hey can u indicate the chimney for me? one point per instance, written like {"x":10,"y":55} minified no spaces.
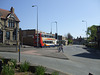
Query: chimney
{"x":12,"y":10}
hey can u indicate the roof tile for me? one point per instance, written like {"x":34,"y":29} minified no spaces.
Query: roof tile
{"x":4,"y":13}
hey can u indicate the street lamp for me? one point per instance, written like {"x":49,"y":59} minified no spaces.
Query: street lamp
{"x":37,"y":22}
{"x":51,"y":28}
{"x":86,"y":27}
{"x":56,"y":27}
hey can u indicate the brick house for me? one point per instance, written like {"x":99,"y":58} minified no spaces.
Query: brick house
{"x":9,"y":27}
{"x":26,"y":36}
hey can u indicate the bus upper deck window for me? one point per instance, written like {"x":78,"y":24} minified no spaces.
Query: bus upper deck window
{"x":42,"y":35}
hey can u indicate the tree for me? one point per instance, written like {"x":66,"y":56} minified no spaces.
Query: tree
{"x":69,"y":37}
{"x":92,"y":32}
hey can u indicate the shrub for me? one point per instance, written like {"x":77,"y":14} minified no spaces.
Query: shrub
{"x":7,"y":70}
{"x":2,"y":60}
{"x":40,"y":70}
{"x":14,"y":62}
{"x":55,"y":73}
{"x":24,"y":67}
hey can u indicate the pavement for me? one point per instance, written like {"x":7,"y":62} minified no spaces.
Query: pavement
{"x":81,"y":60}
{"x":51,"y":52}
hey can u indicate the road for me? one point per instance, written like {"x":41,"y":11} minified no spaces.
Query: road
{"x":81,"y":60}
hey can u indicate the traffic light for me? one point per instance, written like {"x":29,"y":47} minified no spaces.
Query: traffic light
{"x":56,"y":35}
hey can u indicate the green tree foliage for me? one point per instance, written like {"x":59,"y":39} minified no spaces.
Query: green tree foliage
{"x":69,"y":37}
{"x":92,"y":32}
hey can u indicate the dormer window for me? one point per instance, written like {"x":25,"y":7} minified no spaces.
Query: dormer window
{"x":11,"y":23}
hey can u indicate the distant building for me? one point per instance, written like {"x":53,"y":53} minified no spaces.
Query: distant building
{"x":62,"y":40}
{"x":65,"y":41}
{"x":79,"y":40}
{"x":9,"y":24}
{"x":98,"y":35}
{"x":26,"y":36}
{"x":59,"y":37}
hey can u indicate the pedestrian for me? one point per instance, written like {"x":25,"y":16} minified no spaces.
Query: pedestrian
{"x":59,"y":48}
{"x":62,"y":48}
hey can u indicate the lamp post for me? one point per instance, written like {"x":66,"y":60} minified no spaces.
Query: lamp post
{"x":51,"y":27}
{"x":56,"y":27}
{"x":37,"y":22}
{"x":86,"y":27}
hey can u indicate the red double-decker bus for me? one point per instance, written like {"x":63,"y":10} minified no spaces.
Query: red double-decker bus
{"x":45,"y":40}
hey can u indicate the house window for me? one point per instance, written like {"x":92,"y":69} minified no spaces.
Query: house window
{"x":1,"y":36}
{"x":14,"y":34}
{"x":11,"y":23}
{"x":8,"y":35}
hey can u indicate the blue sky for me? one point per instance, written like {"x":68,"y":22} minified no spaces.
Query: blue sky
{"x":68,"y":14}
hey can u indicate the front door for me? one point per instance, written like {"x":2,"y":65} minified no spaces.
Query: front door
{"x":1,"y":36}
